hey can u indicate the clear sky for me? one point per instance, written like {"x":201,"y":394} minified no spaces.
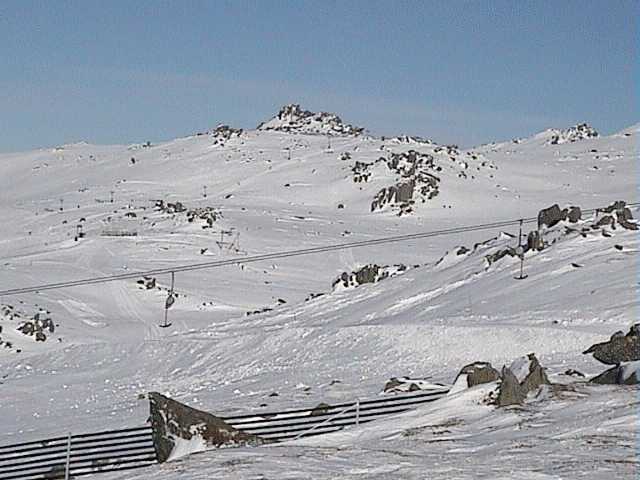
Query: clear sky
{"x":455,"y":71}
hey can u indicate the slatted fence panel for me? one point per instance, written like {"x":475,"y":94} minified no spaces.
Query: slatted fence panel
{"x":280,"y":426}
{"x":133,"y":447}
{"x":89,"y":453}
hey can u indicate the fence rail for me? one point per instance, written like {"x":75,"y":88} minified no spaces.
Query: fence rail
{"x":291,"y":424}
{"x":84,"y":454}
{"x":128,"y":448}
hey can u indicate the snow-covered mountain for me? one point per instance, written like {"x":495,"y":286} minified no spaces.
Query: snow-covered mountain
{"x":325,"y":327}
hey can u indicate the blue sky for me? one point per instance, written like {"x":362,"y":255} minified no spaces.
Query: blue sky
{"x":459,"y":72}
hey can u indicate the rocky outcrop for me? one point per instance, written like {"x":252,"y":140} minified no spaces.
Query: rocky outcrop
{"x":417,"y":181}
{"x":523,"y":376}
{"x":209,"y":215}
{"x":38,"y":326}
{"x":552,"y":215}
{"x":510,"y":392}
{"x":174,"y":423}
{"x":581,"y":131}
{"x":222,"y":133}
{"x":623,"y":374}
{"x":513,"y":384}
{"x":371,"y":273}
{"x":617,"y":212}
{"x":477,"y":373}
{"x":293,"y":119}
{"x":169,"y":207}
{"x":619,"y":348}
{"x":148,"y":283}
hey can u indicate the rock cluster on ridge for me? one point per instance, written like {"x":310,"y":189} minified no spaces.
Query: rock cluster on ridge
{"x":292,"y":118}
{"x":581,"y":131}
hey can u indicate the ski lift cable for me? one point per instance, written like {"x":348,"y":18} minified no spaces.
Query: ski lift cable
{"x":279,"y":255}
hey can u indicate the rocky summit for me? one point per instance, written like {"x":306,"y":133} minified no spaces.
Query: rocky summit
{"x":293,"y":119}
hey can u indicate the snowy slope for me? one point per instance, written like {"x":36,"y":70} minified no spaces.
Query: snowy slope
{"x":275,"y":190}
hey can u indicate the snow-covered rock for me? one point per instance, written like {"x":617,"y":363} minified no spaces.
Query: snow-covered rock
{"x":579,"y":132}
{"x":292,"y":118}
{"x":180,"y":430}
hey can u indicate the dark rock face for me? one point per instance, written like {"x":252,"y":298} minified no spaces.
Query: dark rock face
{"x":371,"y":273}
{"x":514,"y":391}
{"x":536,"y":376}
{"x":292,"y":118}
{"x":222,"y":133}
{"x":620,"y":348}
{"x":623,"y":374}
{"x":320,"y":409}
{"x":510,"y":391}
{"x":172,"y":420}
{"x":617,"y":212}
{"x":478,"y":373}
{"x":550,"y":216}
{"x":417,"y":181}
{"x":581,"y":131}
{"x":574,"y":214}
{"x":534,"y":241}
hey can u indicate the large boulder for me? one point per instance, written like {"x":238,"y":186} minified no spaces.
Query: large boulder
{"x":551,"y":216}
{"x":574,"y":214}
{"x":624,"y":374}
{"x":510,"y":391}
{"x":177,"y":425}
{"x":620,"y":348}
{"x":477,"y":373}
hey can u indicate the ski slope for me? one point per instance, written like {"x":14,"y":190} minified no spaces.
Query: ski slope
{"x":278,"y":190}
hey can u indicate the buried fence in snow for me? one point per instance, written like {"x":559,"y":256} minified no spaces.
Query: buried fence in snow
{"x":76,"y":455}
{"x":293,"y":424}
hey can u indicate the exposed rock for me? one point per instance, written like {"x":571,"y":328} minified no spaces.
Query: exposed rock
{"x":550,"y":216}
{"x":169,"y":207}
{"x":623,"y":374}
{"x":523,"y":376}
{"x":616,"y":212}
{"x":292,"y":118}
{"x":173,"y":421}
{"x":209,"y":215}
{"x":408,"y":139}
{"x":499,"y":254}
{"x":620,"y":348}
{"x":581,"y":131}
{"x":574,"y":214}
{"x":223,"y":133}
{"x":417,"y":182}
{"x":478,"y":372}
{"x":320,"y":409}
{"x":147,"y":282}
{"x":510,"y":391}
{"x":37,"y":326}
{"x":534,"y":241}
{"x":371,"y":273}
{"x":406,"y":384}
{"x":536,"y":375}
